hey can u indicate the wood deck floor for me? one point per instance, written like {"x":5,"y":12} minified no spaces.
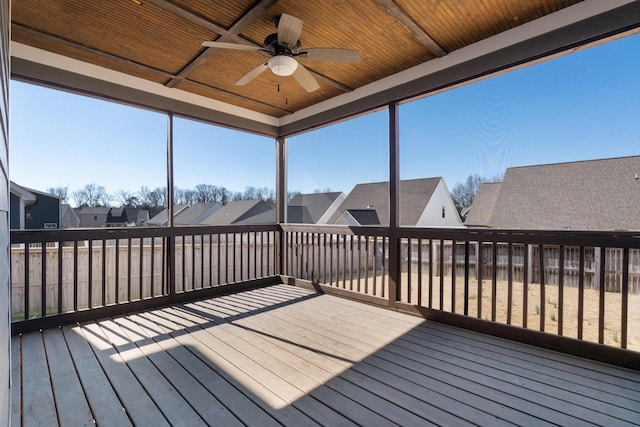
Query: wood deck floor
{"x":283,"y":355}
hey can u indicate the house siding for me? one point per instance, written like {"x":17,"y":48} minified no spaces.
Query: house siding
{"x":432,"y":214}
{"x":5,"y":319}
{"x":45,"y":211}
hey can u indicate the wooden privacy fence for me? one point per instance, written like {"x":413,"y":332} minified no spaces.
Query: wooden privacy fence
{"x":613,"y":268}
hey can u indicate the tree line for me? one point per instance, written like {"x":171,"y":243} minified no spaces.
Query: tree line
{"x":155,"y":200}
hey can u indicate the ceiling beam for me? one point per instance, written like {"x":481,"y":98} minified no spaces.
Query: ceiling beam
{"x":418,"y":33}
{"x":230,"y":35}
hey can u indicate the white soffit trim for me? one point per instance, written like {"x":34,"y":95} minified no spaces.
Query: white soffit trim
{"x":54,"y":60}
{"x":529,"y":30}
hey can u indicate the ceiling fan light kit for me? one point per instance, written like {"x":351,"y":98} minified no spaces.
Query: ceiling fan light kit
{"x":282,"y":65}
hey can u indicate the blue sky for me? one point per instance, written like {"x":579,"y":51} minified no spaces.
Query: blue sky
{"x":581,"y":106}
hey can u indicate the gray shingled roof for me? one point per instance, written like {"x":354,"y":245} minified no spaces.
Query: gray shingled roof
{"x":162,"y":217}
{"x":195,"y":214}
{"x":587,"y":195}
{"x":481,"y":209}
{"x":237,"y":211}
{"x":365,"y":216}
{"x":309,"y":208}
{"x":414,"y":195}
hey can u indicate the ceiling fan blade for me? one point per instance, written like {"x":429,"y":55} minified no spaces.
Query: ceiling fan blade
{"x":236,"y":46}
{"x":252,"y":74}
{"x":306,"y":80}
{"x":289,"y":29}
{"x":331,"y":54}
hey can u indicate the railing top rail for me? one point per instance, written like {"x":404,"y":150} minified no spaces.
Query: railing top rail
{"x":620,"y":239}
{"x":80,"y":234}
{"x":222,"y":229}
{"x":336,"y":229}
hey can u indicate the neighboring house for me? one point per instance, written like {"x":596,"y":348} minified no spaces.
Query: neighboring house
{"x":126,"y":217}
{"x":314,"y":208}
{"x":32,"y":209}
{"x":196,"y":214}
{"x":162,"y":219}
{"x":238,"y":212}
{"x":587,"y":195}
{"x":68,"y":217}
{"x":424,"y":202}
{"x":93,"y":216}
{"x":484,"y":202}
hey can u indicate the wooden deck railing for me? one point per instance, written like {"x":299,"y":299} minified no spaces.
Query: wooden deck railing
{"x":589,"y":289}
{"x":554,"y":289}
{"x":69,"y":275}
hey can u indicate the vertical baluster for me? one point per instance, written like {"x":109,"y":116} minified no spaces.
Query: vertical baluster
{"x":480,"y":268}
{"x":561,"y":290}
{"x":543,"y":288}
{"x":366,"y":264}
{"x":625,"y":298}
{"x":525,"y":285}
{"x":117,"y":272}
{"x":43,"y":280}
{"x":453,"y":276}
{"x":141,"y":272}
{"x":494,"y":279}
{"x":466,"y":278}
{"x":27,"y":255}
{"x":441,"y":266}
{"x":431,"y":259}
{"x":90,"y":274}
{"x":60,"y":302}
{"x":153,"y":265}
{"x":103,"y":275}
{"x":409,"y":262}
{"x":129,"y":269}
{"x":509,"y":281}
{"x":601,"y":294}
{"x":375,"y":264}
{"x":359,"y":263}
{"x":419,"y":284}
{"x":75,"y":275}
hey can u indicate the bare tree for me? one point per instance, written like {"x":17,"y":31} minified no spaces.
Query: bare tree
{"x":204,"y":193}
{"x":62,"y":192}
{"x":92,"y":195}
{"x":127,"y":199}
{"x":464,"y":192}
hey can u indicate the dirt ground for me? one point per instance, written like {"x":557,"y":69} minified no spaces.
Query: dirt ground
{"x":548,"y":305}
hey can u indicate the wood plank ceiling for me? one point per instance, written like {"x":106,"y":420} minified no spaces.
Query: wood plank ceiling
{"x":160,"y":40}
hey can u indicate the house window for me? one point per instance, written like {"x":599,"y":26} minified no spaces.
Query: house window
{"x":95,"y":217}
{"x":443,"y":214}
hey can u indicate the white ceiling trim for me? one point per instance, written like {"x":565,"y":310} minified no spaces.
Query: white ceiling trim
{"x":71,"y":65}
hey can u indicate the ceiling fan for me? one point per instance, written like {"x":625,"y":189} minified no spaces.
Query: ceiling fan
{"x":283,"y":47}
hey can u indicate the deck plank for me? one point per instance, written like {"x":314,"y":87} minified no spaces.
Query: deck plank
{"x":243,"y":408}
{"x":71,"y":403}
{"x":134,"y":351}
{"x":16,"y":381}
{"x":37,"y":395}
{"x":286,"y":356}
{"x":138,"y":405}
{"x":102,"y":399}
{"x":204,"y":403}
{"x":199,"y":342}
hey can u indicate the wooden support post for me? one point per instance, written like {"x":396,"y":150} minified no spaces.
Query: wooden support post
{"x":281,"y":200}
{"x":171,"y":239}
{"x":394,"y":204}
